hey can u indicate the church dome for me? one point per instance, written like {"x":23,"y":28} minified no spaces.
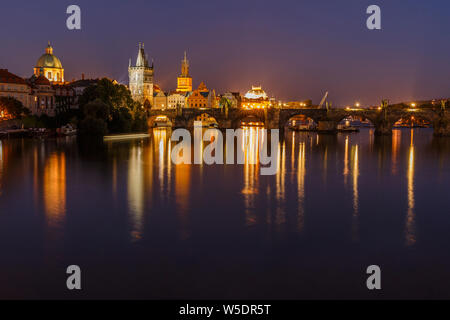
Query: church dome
{"x":256,"y":93}
{"x":48,"y":60}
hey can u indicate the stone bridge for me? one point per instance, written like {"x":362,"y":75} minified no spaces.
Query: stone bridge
{"x":327,"y":120}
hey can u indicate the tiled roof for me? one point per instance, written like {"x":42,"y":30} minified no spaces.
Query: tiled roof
{"x":41,"y":80}
{"x":8,"y":77}
{"x":83,"y":83}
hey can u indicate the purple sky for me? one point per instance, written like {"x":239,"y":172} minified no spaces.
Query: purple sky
{"x":294,"y":49}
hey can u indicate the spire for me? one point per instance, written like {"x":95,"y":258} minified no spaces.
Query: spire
{"x":185,"y":66}
{"x":202,"y":87}
{"x":140,"y":62}
{"x":142,"y":58}
{"x":49,"y":49}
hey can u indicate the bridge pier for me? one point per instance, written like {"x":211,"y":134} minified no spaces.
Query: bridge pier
{"x":225,"y":124}
{"x":383,"y":128}
{"x":327,"y":126}
{"x":441,"y":128}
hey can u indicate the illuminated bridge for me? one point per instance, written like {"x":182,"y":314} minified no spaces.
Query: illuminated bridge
{"x":382,"y":118}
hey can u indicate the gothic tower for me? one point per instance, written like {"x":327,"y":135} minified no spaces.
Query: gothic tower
{"x":184,"y":81}
{"x":141,"y":78}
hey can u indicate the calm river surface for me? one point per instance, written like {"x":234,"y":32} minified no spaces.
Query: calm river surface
{"x":141,"y":227}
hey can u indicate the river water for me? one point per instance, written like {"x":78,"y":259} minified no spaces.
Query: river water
{"x":140,"y":226}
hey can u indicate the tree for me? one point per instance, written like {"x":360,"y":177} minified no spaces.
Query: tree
{"x":225,"y":103}
{"x":113,"y":94}
{"x":112,"y":103}
{"x":140,"y":122}
{"x":121,"y":120}
{"x":13,"y":107}
{"x":92,"y":126}
{"x":96,"y":109}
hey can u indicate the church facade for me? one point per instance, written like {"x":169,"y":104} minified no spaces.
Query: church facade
{"x":45,"y":92}
{"x":49,"y":66}
{"x":141,"y":79}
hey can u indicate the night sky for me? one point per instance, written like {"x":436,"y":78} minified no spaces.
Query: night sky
{"x":294,"y":49}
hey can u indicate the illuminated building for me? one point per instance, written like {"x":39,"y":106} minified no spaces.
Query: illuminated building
{"x":184,"y":81}
{"x":177,"y":99}
{"x":15,"y":87}
{"x":43,"y":96}
{"x":160,"y":100}
{"x":141,"y":78}
{"x":255,"y":98}
{"x":156,"y":88}
{"x":202,"y":98}
{"x":298,"y":104}
{"x":50,"y":67}
{"x":45,"y":91}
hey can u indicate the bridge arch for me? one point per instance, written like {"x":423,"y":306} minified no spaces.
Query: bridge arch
{"x":315,"y":114}
{"x":204,"y":116}
{"x":247,"y":116}
{"x":413,"y":120}
{"x":161,"y":120}
{"x":301,"y":122}
{"x":358,"y":120}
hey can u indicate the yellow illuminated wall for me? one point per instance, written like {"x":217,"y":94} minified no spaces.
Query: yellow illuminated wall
{"x":184,"y":84}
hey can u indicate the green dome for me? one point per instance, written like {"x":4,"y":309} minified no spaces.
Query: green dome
{"x":48,"y":61}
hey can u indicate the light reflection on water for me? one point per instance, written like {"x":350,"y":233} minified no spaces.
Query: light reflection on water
{"x":136,"y":191}
{"x":54,"y":189}
{"x":410,"y":228}
{"x":1,"y":166}
{"x":333,"y":196}
{"x":355,"y":173}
